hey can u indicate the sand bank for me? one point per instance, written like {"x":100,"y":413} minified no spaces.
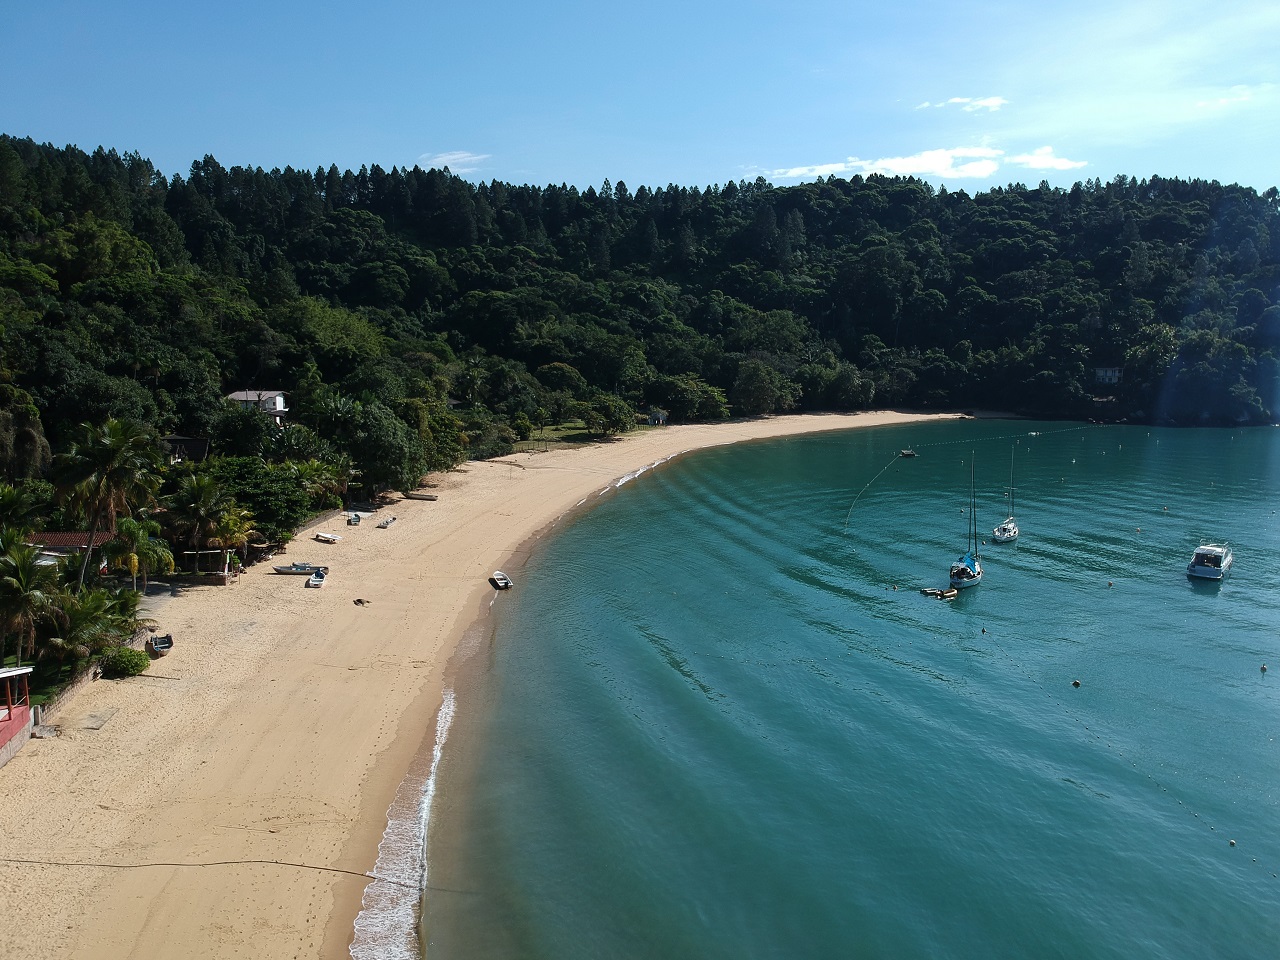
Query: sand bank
{"x":232,"y":802}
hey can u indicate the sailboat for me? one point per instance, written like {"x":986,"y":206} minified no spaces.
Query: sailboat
{"x":967,"y":571}
{"x":1007,"y":532}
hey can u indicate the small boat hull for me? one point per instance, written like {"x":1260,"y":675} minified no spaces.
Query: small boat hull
{"x":500,"y":580}
{"x":1007,"y":532}
{"x":966,"y":572}
{"x":159,"y":646}
{"x":300,"y":569}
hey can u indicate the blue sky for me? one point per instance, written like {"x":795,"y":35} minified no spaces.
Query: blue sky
{"x":966,"y":94}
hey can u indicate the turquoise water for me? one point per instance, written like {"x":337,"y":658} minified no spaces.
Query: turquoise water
{"x":707,"y":725}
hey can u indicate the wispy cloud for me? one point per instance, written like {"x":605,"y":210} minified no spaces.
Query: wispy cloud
{"x":1043,"y":158}
{"x":956,"y":163}
{"x":458,"y":161}
{"x":968,"y":104}
{"x":1240,"y":93}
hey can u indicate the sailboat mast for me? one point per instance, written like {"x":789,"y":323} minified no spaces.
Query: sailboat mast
{"x":973,"y":510}
{"x":1011,"y":452}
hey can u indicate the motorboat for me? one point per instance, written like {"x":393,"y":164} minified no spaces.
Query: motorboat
{"x":353,"y":520}
{"x":414,"y":495}
{"x":906,"y":452}
{"x":1211,"y":561}
{"x":299,"y":567}
{"x":327,"y":537}
{"x":967,"y":570}
{"x":501,"y":580}
{"x":382,"y":525}
{"x":316,"y":579}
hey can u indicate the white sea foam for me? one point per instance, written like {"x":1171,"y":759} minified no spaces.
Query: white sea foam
{"x":627,"y":478}
{"x":387,"y":927}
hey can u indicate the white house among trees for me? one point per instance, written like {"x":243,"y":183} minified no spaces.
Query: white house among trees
{"x":270,"y":402}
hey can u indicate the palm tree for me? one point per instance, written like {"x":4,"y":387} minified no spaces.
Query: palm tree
{"x":234,"y":529}
{"x":28,"y":592}
{"x":84,"y":629}
{"x":321,"y":480}
{"x":137,"y":548}
{"x":106,"y":472}
{"x":196,"y":508}
{"x":93,"y":620}
{"x":18,"y":509}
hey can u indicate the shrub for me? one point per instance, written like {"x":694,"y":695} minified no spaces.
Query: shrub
{"x":124,"y":662}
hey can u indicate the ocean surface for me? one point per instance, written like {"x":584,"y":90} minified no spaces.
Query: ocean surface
{"x":716,"y":717}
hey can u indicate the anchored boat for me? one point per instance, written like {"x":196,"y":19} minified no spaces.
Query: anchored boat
{"x":1211,"y":561}
{"x":967,"y":571}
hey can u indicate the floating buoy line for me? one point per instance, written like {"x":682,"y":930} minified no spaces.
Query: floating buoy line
{"x":899,"y":455}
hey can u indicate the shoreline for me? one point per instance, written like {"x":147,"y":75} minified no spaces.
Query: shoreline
{"x":286,"y":720}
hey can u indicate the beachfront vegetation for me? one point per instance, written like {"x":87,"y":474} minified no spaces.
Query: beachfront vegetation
{"x":124,"y":662}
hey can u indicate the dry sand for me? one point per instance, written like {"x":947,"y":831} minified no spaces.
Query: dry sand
{"x":215,"y":811}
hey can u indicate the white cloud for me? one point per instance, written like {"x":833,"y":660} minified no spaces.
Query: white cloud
{"x":986,"y":103}
{"x":458,"y":161}
{"x":1042,"y":158}
{"x":968,"y":104}
{"x":956,"y":163}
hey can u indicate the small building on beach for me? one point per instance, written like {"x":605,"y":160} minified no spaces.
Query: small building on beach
{"x":15,"y":711}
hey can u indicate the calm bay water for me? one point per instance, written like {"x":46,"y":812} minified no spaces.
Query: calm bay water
{"x":706,"y":725}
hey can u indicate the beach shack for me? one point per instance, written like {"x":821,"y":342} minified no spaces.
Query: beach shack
{"x":15,"y":711}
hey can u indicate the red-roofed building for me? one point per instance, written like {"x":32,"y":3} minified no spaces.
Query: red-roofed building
{"x":66,"y":542}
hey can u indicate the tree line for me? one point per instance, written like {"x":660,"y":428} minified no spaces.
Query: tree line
{"x":415,"y":320}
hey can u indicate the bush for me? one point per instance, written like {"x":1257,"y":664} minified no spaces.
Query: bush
{"x":124,"y":662}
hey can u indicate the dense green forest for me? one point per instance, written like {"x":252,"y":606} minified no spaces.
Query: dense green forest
{"x":416,"y":319}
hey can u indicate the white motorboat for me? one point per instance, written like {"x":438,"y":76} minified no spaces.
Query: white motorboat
{"x":501,"y":580}
{"x":1211,"y":561}
{"x":316,"y":579}
{"x":327,"y":537}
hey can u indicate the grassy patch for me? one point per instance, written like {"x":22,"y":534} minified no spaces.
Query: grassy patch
{"x":574,"y":433}
{"x":47,"y":678}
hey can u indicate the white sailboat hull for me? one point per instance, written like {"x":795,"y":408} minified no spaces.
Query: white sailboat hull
{"x":1007,"y":532}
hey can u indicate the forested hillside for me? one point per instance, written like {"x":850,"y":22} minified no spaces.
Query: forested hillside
{"x":415,"y":318}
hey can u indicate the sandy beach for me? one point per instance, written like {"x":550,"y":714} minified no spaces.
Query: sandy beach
{"x":229,"y":802}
